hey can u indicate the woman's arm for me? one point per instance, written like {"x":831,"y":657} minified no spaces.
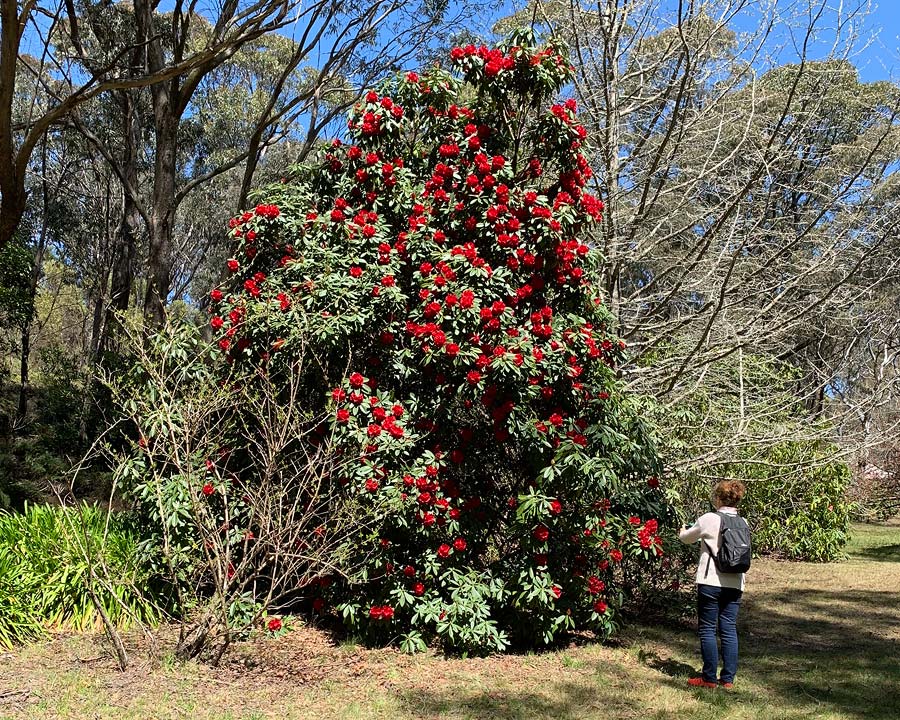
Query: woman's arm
{"x":690,"y":534}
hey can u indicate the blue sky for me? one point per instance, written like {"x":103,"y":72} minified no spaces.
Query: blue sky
{"x":881,"y":60}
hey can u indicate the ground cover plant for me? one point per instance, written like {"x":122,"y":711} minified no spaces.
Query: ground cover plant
{"x":65,"y":568}
{"x":434,"y":268}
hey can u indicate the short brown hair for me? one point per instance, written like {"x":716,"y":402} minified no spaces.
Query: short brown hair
{"x":729,"y":492}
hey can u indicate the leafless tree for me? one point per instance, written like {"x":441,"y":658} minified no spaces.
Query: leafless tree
{"x":242,"y":473}
{"x":751,"y":210}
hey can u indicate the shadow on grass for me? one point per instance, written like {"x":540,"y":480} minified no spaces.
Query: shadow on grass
{"x":667,"y":666}
{"x":883,"y":553}
{"x":835,"y":647}
{"x":817,"y":649}
{"x":560,"y":701}
{"x":808,"y":653}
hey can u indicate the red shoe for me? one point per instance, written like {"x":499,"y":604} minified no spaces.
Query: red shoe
{"x":725,"y":685}
{"x":701,"y":683}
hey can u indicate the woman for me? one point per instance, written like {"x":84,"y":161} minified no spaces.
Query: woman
{"x":718,"y":593}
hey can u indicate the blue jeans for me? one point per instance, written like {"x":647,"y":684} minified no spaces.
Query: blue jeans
{"x":717,"y":608}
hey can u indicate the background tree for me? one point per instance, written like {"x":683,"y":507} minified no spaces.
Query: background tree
{"x":749,"y":207}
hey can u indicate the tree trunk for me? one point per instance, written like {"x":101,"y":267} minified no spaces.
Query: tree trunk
{"x":12,"y":182}
{"x":163,"y":210}
{"x":129,"y":228}
{"x":22,"y":408}
{"x":12,"y":207}
{"x":24,"y":360}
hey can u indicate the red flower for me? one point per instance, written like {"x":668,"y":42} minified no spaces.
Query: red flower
{"x":343,"y":415}
{"x":541,"y":533}
{"x":595,"y":585}
{"x":444,"y":550}
{"x":557,"y":590}
{"x":615,"y":555}
{"x":555,"y":507}
{"x":459,"y":544}
{"x":371,"y":485}
{"x":634,"y":520}
{"x":208,"y":489}
{"x":653,"y":482}
{"x":274,"y":624}
{"x":600,"y":607}
{"x":473,"y":377}
{"x":356,"y":380}
{"x":418,"y":589}
{"x":356,"y":271}
{"x":216,"y":295}
{"x":409,"y":571}
{"x":233,"y":265}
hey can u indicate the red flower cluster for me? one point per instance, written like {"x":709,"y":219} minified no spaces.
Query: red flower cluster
{"x":381,"y":612}
{"x":648,"y":538}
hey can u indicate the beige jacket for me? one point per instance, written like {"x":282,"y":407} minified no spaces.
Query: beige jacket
{"x":706,"y":532}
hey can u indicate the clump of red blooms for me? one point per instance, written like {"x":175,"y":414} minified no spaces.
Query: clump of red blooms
{"x":444,"y":258}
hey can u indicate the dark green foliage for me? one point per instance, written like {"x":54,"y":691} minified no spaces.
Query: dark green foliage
{"x":796,"y":500}
{"x":16,"y":300}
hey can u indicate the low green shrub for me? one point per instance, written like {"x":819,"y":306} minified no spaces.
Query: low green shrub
{"x":805,"y":516}
{"x":796,"y":501}
{"x":19,"y":614}
{"x":747,"y":422}
{"x":53,"y":558}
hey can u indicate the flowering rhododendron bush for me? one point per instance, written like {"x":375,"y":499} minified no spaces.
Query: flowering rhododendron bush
{"x":435,"y":262}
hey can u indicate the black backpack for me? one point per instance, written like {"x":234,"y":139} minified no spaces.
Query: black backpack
{"x":734,"y":545}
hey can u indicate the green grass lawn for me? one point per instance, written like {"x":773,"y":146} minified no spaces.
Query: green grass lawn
{"x":818,"y":641}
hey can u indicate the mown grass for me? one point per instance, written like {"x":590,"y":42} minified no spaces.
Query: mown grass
{"x":819,"y":642}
